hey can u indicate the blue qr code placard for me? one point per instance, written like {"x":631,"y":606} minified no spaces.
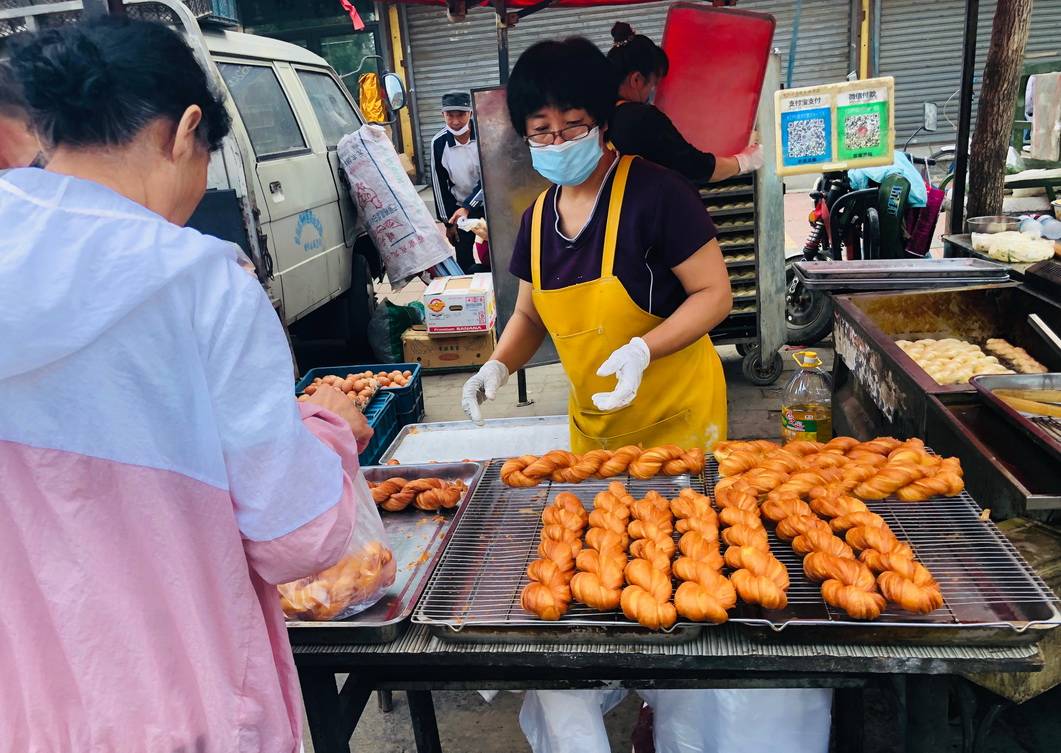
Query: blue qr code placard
{"x":806,"y":137}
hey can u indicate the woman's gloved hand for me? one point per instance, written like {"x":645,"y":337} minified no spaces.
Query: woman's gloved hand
{"x":483,"y":386}
{"x":627,"y":363}
{"x":750,"y":158}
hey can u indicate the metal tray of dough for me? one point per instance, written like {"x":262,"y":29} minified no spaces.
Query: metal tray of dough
{"x":454,"y":441}
{"x":474,"y":594}
{"x":416,"y":539}
{"x":1041,"y":429}
{"x":991,"y":595}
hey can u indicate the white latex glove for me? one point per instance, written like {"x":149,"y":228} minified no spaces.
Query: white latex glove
{"x":483,"y":386}
{"x":627,"y":363}
{"x":750,"y":158}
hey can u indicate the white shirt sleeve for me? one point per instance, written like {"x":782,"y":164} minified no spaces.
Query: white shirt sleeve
{"x":280,"y":476}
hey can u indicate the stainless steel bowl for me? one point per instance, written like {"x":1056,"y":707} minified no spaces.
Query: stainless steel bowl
{"x":995,"y":223}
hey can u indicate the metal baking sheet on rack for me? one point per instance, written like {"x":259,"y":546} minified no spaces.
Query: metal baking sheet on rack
{"x":416,"y":539}
{"x":1044,"y":430}
{"x":454,"y":441}
{"x":868,"y":284}
{"x":910,"y":268}
{"x":991,"y":594}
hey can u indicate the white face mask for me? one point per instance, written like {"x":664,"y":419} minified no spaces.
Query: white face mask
{"x":467,"y":127}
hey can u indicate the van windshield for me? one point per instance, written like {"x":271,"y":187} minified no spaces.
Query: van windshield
{"x":333,"y":110}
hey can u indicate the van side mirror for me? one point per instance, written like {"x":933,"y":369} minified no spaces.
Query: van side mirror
{"x":930,"y":117}
{"x":395,"y":90}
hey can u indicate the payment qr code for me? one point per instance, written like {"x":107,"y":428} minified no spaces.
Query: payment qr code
{"x":862,"y":131}
{"x":806,"y":138}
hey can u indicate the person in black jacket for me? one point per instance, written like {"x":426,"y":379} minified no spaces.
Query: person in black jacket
{"x":639,"y":127}
{"x":456,"y":175}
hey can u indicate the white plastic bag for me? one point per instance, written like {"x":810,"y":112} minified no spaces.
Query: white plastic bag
{"x":355,"y":582}
{"x":568,"y":721}
{"x":740,"y":721}
{"x":394,"y":215}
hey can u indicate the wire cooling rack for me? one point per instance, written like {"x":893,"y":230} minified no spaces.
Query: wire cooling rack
{"x":985,"y":582}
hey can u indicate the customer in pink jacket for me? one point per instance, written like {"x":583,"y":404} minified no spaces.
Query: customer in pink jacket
{"x":157,"y":478}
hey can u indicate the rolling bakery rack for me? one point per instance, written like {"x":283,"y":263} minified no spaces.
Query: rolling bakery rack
{"x":749,"y":213}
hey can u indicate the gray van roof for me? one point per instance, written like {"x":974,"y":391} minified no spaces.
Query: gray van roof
{"x":264,"y":48}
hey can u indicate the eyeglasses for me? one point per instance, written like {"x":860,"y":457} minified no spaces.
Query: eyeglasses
{"x":548,"y":138}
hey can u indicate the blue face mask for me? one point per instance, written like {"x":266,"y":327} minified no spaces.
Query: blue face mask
{"x":569,"y":163}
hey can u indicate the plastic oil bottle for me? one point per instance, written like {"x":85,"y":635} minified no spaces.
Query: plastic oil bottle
{"x":806,"y":404}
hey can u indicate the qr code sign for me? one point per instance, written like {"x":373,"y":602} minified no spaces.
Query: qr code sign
{"x":806,"y":138}
{"x":862,"y":131}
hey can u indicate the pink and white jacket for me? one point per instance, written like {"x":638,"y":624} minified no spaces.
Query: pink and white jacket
{"x":156,"y":479}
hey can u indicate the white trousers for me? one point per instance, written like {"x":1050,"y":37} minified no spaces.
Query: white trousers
{"x":685,"y":721}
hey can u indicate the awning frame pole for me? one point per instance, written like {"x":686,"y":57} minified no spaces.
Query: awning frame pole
{"x":965,"y":117}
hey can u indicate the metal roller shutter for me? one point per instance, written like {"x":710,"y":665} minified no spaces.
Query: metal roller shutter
{"x":449,"y":56}
{"x":921,"y":46}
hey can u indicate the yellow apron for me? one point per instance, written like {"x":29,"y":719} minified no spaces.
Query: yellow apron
{"x":682,"y":398}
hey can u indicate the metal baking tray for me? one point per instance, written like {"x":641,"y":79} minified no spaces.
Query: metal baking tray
{"x":1034,"y":428}
{"x":868,"y":284}
{"x":416,"y":539}
{"x":985,"y":271}
{"x":454,"y":441}
{"x":992,"y":596}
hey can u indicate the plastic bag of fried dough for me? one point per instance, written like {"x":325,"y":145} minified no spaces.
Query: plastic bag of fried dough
{"x":355,"y":582}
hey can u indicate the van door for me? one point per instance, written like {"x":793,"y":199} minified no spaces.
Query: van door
{"x":337,"y":117}
{"x":304,"y":226}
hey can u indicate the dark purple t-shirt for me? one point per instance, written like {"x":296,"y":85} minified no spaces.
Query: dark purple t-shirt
{"x":663,"y":223}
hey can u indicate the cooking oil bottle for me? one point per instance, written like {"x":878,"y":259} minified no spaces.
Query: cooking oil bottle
{"x":806,"y":404}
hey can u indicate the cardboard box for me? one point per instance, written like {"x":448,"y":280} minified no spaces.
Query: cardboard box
{"x":460,"y":304}
{"x":434,"y":352}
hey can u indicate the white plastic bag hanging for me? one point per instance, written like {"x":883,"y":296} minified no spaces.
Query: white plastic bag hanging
{"x":568,"y":721}
{"x":394,"y":215}
{"x":740,"y":721}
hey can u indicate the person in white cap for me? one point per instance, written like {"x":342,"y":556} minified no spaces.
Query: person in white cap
{"x":456,"y":175}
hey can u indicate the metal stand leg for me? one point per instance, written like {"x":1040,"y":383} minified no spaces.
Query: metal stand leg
{"x":425,"y":726}
{"x":849,"y":713}
{"x":927,"y":725}
{"x":386,"y":701}
{"x":332,"y":714}
{"x":521,"y":388}
{"x":986,"y":723}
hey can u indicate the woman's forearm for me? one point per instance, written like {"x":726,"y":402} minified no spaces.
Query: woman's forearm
{"x":520,"y":340}
{"x":725,"y":167}
{"x":699,"y":314}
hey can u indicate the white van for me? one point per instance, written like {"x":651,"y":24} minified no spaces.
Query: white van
{"x":276,"y":187}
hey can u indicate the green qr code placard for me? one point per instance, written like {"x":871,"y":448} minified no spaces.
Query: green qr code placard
{"x":862,"y":130}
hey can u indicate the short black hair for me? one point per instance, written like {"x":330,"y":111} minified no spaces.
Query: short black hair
{"x":12,"y":104}
{"x":564,"y":74}
{"x":636,"y":52}
{"x":101,"y":82}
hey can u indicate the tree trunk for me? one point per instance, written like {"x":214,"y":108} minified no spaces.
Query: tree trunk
{"x":998,"y":96}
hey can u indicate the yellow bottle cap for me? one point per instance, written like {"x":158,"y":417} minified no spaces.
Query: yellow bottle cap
{"x":807,"y":359}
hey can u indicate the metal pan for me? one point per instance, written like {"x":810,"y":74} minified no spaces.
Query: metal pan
{"x":867,"y":284}
{"x":910,"y":268}
{"x":986,"y":385}
{"x":452,"y":441}
{"x":416,"y":539}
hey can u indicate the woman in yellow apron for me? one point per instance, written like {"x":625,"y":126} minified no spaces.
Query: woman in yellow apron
{"x":619,"y":266}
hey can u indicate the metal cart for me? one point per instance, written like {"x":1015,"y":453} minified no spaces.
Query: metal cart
{"x":749,"y":213}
